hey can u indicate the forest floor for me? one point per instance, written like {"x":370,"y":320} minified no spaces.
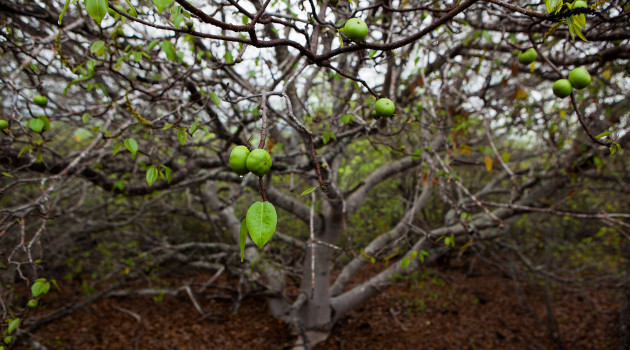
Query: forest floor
{"x":459,"y":305}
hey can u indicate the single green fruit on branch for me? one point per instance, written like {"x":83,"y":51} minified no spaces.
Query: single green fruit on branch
{"x":238,"y":160}
{"x":562,"y":88}
{"x":579,"y":78}
{"x":3,"y":124}
{"x":259,"y":162}
{"x":40,"y":100}
{"x":355,"y":29}
{"x":384,"y":107}
{"x":528,"y":56}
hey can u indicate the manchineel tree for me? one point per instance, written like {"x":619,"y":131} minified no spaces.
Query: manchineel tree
{"x":119,"y":118}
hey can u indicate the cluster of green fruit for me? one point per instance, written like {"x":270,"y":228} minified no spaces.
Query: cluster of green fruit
{"x":579,"y":78}
{"x":242,"y":161}
{"x":356,"y":30}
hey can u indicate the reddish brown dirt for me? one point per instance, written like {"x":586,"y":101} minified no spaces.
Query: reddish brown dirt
{"x":447,"y":308}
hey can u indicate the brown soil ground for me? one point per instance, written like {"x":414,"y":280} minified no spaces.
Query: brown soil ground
{"x":454,"y":307}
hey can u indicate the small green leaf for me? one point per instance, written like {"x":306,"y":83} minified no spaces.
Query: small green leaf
{"x":162,"y":4}
{"x":6,"y":174}
{"x":131,"y":145}
{"x":181,"y":136}
{"x":97,"y":9}
{"x":414,"y":255}
{"x":347,"y":118}
{"x":604,"y":134}
{"x":85,"y":117}
{"x":133,"y":9}
{"x":40,"y":287}
{"x":117,"y":148}
{"x":243,"y":238}
{"x":36,"y":124}
{"x":13,"y":324}
{"x":152,"y":174}
{"x":32,"y":303}
{"x":261,"y":222}
{"x":169,"y":50}
{"x":405,"y":262}
{"x":168,"y":173}
{"x":63,"y":12}
{"x":98,"y":48}
{"x":308,"y":190}
{"x":215,"y":98}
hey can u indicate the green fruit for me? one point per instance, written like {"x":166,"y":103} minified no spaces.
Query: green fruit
{"x":40,"y":100}
{"x":384,"y":107}
{"x":259,"y":162}
{"x":528,"y":56}
{"x":355,"y":29}
{"x":238,"y":160}
{"x":579,"y":78}
{"x":562,"y":88}
{"x":580,"y":4}
{"x":3,"y":124}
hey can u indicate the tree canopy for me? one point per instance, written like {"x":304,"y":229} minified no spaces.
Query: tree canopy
{"x":121,"y":116}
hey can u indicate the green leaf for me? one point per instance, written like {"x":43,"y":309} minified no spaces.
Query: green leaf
{"x":414,"y":255}
{"x":347,"y":118}
{"x":168,"y":173}
{"x":169,"y":50}
{"x":215,"y":98}
{"x":243,"y":238}
{"x":40,"y":287}
{"x":133,"y":9}
{"x":162,"y":4}
{"x":85,"y":117}
{"x":181,"y":136}
{"x":309,"y":190}
{"x":261,"y":222}
{"x":604,"y":134}
{"x":98,"y":47}
{"x":63,"y":12}
{"x":505,"y":156}
{"x":405,"y":262}
{"x":117,"y":148}
{"x":97,"y":9}
{"x":13,"y":324}
{"x":36,"y":124}
{"x":131,"y":145}
{"x":152,"y":174}
{"x":6,"y":174}
{"x":32,"y":303}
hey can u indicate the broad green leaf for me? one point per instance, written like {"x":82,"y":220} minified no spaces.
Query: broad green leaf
{"x":243,"y":238}
{"x":181,"y":136}
{"x":169,"y":50}
{"x":85,"y":117}
{"x":505,"y":156}
{"x":97,"y":9}
{"x":309,"y":190}
{"x":63,"y":12}
{"x":261,"y":222}
{"x":131,"y":145}
{"x":414,"y":255}
{"x":98,"y":47}
{"x":40,"y":287}
{"x":405,"y":262}
{"x":215,"y":98}
{"x":347,"y":118}
{"x":13,"y":324}
{"x":152,"y":174}
{"x":36,"y":124}
{"x":162,"y":4}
